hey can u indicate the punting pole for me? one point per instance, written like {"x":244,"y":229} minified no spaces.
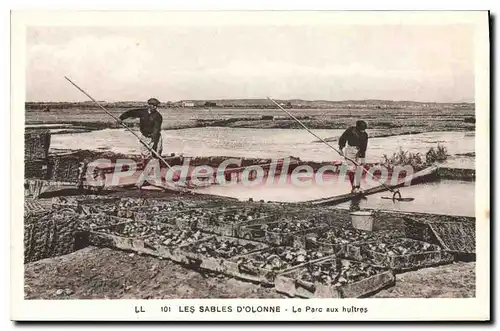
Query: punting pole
{"x":394,"y":192}
{"x":125,"y":126}
{"x":118,"y":120}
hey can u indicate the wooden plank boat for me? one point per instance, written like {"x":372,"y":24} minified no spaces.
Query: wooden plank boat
{"x":412,"y":180}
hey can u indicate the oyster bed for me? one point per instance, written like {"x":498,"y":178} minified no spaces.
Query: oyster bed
{"x":321,"y":255}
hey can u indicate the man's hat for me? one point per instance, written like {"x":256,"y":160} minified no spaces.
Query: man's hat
{"x":153,"y":101}
{"x":361,"y":125}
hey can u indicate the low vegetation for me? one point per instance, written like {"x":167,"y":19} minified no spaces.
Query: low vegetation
{"x":416,"y":160}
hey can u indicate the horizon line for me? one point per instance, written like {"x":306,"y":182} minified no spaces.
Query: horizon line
{"x":262,"y":99}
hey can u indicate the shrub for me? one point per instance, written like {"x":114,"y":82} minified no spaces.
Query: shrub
{"x":416,"y":160}
{"x":436,"y":155}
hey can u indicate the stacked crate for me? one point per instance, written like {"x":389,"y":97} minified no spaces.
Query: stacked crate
{"x":36,"y":152}
{"x":456,"y":237}
{"x":40,"y":167}
{"x":65,"y":168}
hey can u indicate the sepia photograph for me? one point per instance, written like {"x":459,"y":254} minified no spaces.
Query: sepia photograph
{"x":291,"y":156}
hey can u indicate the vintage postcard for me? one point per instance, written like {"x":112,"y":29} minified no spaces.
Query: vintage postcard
{"x":250,"y":166}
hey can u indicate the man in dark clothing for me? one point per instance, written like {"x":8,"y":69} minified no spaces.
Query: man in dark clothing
{"x":150,"y":127}
{"x":356,"y":139}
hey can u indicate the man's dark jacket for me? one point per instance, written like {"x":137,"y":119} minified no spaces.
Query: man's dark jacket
{"x":356,"y":138}
{"x":149,"y":125}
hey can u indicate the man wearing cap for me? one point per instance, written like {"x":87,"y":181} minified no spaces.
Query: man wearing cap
{"x":353,"y":143}
{"x":150,"y":127}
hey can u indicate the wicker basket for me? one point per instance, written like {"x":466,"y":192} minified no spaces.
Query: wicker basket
{"x":419,"y":230}
{"x":36,"y":169}
{"x":36,"y":144}
{"x":64,"y":168}
{"x":458,"y":238}
{"x":52,"y":235}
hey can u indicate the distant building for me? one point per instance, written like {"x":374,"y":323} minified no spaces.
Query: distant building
{"x":187,"y":104}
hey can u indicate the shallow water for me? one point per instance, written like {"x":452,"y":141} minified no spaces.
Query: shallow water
{"x":444,"y":197}
{"x":266,"y":143}
{"x":34,"y":126}
{"x":462,"y":162}
{"x":282,"y":191}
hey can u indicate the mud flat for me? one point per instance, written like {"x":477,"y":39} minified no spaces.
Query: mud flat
{"x":405,"y":119}
{"x":88,"y":273}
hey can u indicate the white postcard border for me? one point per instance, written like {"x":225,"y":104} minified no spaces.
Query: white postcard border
{"x":378,"y":309}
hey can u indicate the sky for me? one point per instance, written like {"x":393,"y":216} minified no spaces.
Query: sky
{"x":389,"y":62}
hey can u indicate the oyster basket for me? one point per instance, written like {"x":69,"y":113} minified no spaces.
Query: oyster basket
{"x":320,"y":222}
{"x":217,"y":225}
{"x":339,"y":249}
{"x":171,"y":251}
{"x":217,"y":264}
{"x":167,"y":218}
{"x":146,"y":210}
{"x":113,"y":236}
{"x":458,"y":238}
{"x":294,"y":239}
{"x":398,"y":263}
{"x":245,"y":269}
{"x":100,"y":221}
{"x":291,"y":283}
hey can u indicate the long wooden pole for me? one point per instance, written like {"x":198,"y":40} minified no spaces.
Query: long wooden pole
{"x":119,"y":121}
{"x":329,"y":145}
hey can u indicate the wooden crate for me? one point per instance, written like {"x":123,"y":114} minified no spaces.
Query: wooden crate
{"x":327,"y":248}
{"x":217,"y":264}
{"x":244,"y":266}
{"x":291,"y":284}
{"x":154,"y":209}
{"x":111,"y":236}
{"x":100,"y":221}
{"x":217,"y":225}
{"x":120,"y":224}
{"x":172,"y":251}
{"x":106,"y":240}
{"x":167,"y":218}
{"x":419,"y":230}
{"x":399,"y":263}
{"x":294,"y":239}
{"x":458,"y":238}
{"x":189,"y":217}
{"x":261,"y":232}
{"x":312,"y":241}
